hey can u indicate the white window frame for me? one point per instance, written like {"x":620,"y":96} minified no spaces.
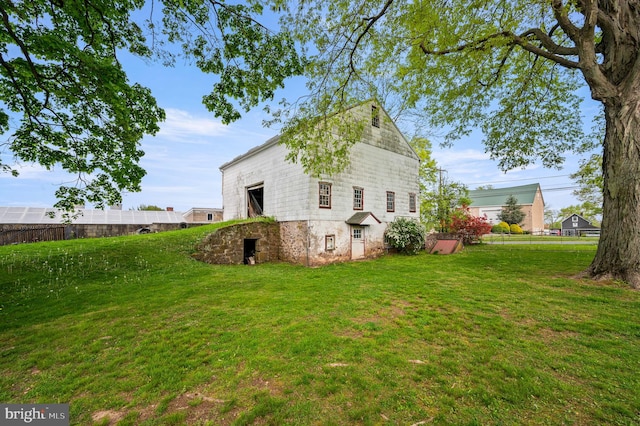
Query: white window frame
{"x":412,"y":202}
{"x":324,"y":195}
{"x":329,"y":242}
{"x":391,"y":201}
{"x":358,"y":198}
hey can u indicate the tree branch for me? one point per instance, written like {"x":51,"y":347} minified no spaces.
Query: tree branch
{"x":519,"y":40}
{"x":548,"y":43}
{"x":541,"y":51}
{"x":372,"y":20}
{"x":475,"y":45}
{"x":21,"y":45}
{"x":563,"y":19}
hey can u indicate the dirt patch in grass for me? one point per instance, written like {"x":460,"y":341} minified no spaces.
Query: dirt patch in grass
{"x":271,"y":386}
{"x":549,"y":335}
{"x":108,"y":417}
{"x":350,"y":333}
{"x":198,"y":407}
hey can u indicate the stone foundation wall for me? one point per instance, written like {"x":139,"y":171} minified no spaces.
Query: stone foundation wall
{"x":375,"y":249}
{"x":294,"y":241}
{"x":289,"y":241}
{"x":226,"y":245}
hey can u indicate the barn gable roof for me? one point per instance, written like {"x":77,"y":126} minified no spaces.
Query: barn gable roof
{"x":404,"y":149}
{"x":525,"y":194}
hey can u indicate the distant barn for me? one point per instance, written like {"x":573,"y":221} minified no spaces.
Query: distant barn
{"x":490,"y":202}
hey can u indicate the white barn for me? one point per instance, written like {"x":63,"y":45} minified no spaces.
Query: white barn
{"x":329,"y":219}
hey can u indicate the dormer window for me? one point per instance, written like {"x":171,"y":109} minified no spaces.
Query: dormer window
{"x":375,"y":116}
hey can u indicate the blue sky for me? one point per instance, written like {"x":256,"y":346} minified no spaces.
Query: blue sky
{"x":182,"y":161}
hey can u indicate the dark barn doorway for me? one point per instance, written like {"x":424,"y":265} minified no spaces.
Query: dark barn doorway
{"x":255,"y":198}
{"x":250,"y":251}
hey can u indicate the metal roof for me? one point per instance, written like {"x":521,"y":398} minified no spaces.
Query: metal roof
{"x":525,"y":194}
{"x":276,"y":139}
{"x":253,"y":151}
{"x":40,"y":216}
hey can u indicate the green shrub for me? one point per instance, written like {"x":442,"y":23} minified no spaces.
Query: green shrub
{"x":515,"y":229}
{"x":500,"y":228}
{"x":406,"y":235}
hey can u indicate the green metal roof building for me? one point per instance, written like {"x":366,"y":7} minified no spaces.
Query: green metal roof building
{"x":489,"y":202}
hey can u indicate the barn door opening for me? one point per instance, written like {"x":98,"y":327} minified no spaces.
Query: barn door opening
{"x":250,"y":251}
{"x":255,"y":201}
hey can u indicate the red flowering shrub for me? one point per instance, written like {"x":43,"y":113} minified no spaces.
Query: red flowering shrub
{"x":468,"y":227}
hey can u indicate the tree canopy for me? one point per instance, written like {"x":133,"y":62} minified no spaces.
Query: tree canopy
{"x":439,"y":195}
{"x":149,"y":207}
{"x":66,"y":101}
{"x":514,"y":70}
{"x":460,"y":65}
{"x":589,"y":181}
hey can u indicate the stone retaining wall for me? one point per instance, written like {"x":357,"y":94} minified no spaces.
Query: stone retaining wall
{"x":227,"y":245}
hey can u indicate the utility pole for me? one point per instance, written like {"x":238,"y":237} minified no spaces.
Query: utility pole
{"x":441,"y":212}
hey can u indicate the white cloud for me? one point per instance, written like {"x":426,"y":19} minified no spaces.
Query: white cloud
{"x":184,"y":127}
{"x":451,"y":155}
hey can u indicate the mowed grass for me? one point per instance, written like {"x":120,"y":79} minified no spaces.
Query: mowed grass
{"x":534,"y":239}
{"x":133,"y":331}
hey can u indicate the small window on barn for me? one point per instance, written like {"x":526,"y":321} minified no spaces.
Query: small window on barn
{"x":574,"y":219}
{"x":412,"y":202}
{"x":391,"y":201}
{"x":357,"y":233}
{"x":209,"y":217}
{"x":358,"y":198}
{"x":329,"y":242}
{"x":375,"y":116}
{"x":324,"y":195}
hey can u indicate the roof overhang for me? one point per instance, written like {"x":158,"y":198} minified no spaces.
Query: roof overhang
{"x":363,"y":219}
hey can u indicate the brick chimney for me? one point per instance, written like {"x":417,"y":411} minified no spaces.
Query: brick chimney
{"x":169,"y":209}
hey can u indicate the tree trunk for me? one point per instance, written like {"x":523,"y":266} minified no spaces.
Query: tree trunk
{"x":618,"y":254}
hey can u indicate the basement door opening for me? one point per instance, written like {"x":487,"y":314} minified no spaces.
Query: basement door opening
{"x":250,"y":251}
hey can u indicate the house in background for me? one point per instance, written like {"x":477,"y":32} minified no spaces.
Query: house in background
{"x":333,"y":218}
{"x":202,"y":215}
{"x":489,"y":202}
{"x":575,"y":226}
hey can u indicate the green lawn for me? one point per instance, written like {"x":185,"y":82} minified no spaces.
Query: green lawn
{"x":132,"y":331}
{"x":538,"y":238}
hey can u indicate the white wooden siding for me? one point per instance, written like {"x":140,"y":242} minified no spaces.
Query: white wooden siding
{"x":382,"y":162}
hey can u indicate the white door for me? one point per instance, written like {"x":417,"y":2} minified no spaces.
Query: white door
{"x":357,"y":242}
